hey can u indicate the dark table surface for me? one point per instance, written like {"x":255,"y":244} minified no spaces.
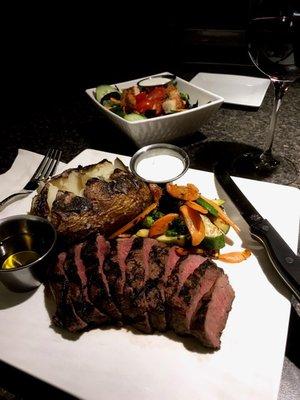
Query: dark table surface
{"x":72,"y":123}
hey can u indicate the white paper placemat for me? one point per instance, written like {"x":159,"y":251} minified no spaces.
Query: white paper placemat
{"x":116,"y":363}
{"x":16,"y":178}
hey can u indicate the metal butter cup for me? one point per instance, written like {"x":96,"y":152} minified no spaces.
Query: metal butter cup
{"x":159,"y":149}
{"x":23,"y":233}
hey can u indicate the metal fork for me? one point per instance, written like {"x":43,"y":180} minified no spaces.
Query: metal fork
{"x":46,"y":169}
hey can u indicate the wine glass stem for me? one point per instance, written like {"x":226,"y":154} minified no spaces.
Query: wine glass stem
{"x":279,"y":90}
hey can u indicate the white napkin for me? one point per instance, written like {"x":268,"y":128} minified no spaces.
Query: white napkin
{"x":16,"y":178}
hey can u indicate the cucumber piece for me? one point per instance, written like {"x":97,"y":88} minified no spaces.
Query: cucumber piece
{"x":206,"y":205}
{"x":180,"y":240}
{"x":103,"y":90}
{"x":220,"y":224}
{"x":134,"y":117}
{"x":214,"y":237}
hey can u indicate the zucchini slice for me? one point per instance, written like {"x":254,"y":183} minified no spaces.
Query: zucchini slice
{"x":214,"y":237}
{"x":220,"y":224}
{"x":208,"y":206}
{"x":180,"y":239}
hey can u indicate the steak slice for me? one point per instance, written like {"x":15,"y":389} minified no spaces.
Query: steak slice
{"x":189,"y":299}
{"x":211,"y":318}
{"x":65,"y":315}
{"x":133,"y":300}
{"x":75,"y":272}
{"x":93,"y":255}
{"x":156,"y":254}
{"x":184,"y":267}
{"x":115,"y":268}
{"x":171,"y":262}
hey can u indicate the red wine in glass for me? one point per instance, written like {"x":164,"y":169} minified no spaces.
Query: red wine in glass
{"x":274,"y":48}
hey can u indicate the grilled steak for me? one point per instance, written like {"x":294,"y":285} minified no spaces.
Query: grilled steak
{"x":75,"y":272}
{"x":59,"y":285}
{"x":93,"y":254}
{"x":134,"y":304}
{"x":155,"y":288}
{"x":189,"y":298}
{"x":143,"y":283}
{"x":212,"y":315}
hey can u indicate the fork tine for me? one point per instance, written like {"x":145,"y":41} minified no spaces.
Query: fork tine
{"x":53,"y":164}
{"x":43,"y":171}
{"x":42,"y":165}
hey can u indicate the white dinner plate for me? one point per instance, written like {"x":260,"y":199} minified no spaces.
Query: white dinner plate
{"x":235,"y":89}
{"x":115,"y":364}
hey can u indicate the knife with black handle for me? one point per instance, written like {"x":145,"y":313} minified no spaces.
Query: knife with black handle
{"x":284,"y":260}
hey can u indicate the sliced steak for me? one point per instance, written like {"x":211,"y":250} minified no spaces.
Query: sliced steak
{"x":115,"y":271}
{"x":155,"y":255}
{"x":65,"y":315}
{"x":211,"y":317}
{"x":93,"y":255}
{"x":171,"y":262}
{"x":189,"y":299}
{"x":75,"y":272}
{"x":115,"y":268}
{"x":184,"y":267}
{"x":133,"y":300}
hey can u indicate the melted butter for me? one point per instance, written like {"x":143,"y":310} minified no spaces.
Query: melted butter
{"x":20,"y":259}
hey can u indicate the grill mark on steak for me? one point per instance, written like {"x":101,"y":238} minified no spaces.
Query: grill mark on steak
{"x":154,"y":291}
{"x":211,"y":318}
{"x":65,"y":315}
{"x":188,"y":300}
{"x":75,"y":272}
{"x":133,"y":301}
{"x":183,"y":268}
{"x":115,"y":268}
{"x":112,"y":271}
{"x":171,"y":262}
{"x":93,"y":255}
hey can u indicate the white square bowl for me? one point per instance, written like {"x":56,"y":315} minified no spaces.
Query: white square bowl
{"x":169,"y":127}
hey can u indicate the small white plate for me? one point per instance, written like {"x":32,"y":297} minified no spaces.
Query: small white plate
{"x":235,"y":89}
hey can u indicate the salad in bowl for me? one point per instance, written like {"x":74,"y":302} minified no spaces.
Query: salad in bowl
{"x":156,"y":109}
{"x":150,"y":97}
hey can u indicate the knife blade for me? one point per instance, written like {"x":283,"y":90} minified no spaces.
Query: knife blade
{"x":284,"y":260}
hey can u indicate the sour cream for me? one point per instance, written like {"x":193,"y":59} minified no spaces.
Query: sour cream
{"x":159,"y":167}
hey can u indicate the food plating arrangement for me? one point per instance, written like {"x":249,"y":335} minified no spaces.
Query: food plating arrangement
{"x":136,"y":253}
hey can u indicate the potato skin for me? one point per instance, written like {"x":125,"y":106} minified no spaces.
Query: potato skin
{"x":105,"y":205}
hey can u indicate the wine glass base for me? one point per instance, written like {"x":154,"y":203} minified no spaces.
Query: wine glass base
{"x":254,"y":166}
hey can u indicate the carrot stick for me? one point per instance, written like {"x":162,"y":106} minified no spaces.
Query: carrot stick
{"x":194,"y":224}
{"x":235,"y":256}
{"x":161,"y":224}
{"x":222,"y":214}
{"x":134,"y":221}
{"x":196,"y":207}
{"x":188,"y":192}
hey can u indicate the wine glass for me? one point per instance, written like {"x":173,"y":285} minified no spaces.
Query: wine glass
{"x":274,"y":47}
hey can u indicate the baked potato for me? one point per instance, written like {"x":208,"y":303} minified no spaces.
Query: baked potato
{"x":97,"y":198}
